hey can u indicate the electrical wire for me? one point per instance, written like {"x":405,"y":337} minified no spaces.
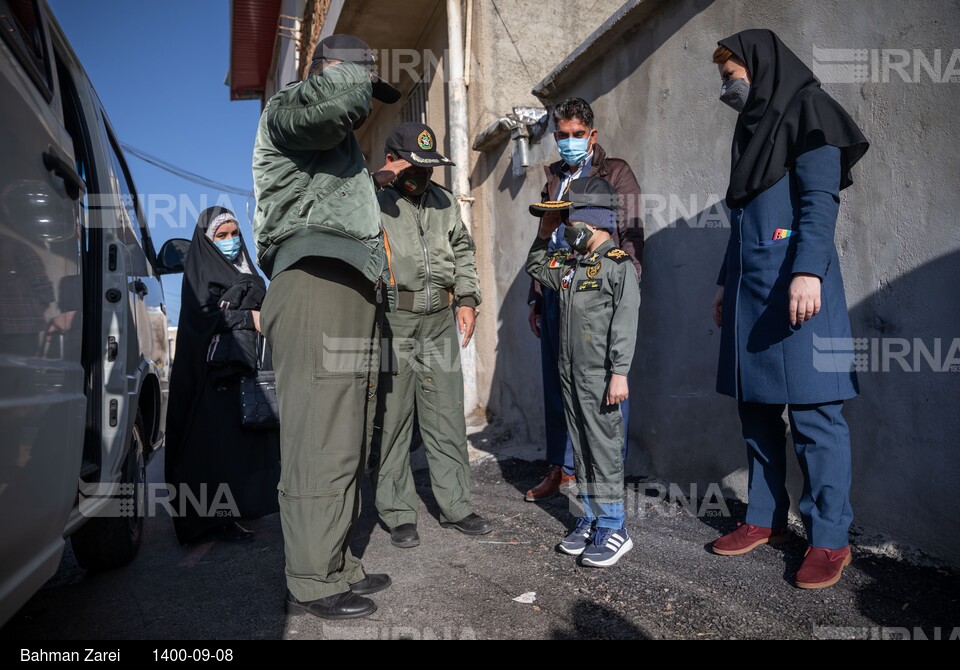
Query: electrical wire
{"x":514,"y":42}
{"x":185,"y":174}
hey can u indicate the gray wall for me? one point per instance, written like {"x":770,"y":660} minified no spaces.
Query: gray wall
{"x":655,"y":94}
{"x":513,"y":49}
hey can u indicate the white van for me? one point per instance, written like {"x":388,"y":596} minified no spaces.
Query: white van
{"x":84,"y":353}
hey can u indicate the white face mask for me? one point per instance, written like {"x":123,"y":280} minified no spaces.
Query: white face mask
{"x":735,"y":93}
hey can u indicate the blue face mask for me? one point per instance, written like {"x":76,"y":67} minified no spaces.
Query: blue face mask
{"x":574,"y":150}
{"x":229,"y":247}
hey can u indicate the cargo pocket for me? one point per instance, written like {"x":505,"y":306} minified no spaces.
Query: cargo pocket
{"x":427,"y":405}
{"x":315,"y":528}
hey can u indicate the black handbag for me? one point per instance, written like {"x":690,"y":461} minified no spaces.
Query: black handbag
{"x":259,"y":409}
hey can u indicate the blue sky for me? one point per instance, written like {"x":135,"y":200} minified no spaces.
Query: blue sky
{"x":159,"y":68}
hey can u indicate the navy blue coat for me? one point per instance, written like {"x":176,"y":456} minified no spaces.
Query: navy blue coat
{"x":779,"y":363}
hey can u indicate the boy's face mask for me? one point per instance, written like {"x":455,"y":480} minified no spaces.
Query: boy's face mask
{"x":578,"y":236}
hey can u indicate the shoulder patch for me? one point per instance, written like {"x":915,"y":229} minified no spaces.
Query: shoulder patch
{"x":618,"y":255}
{"x":557,"y":259}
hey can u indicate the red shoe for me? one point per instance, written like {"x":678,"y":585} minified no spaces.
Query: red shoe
{"x":555,"y":480}
{"x":746,"y":538}
{"x":822,"y":567}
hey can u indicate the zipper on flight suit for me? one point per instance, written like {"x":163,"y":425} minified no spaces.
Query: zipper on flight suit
{"x":426,"y":257}
{"x":571,"y":294}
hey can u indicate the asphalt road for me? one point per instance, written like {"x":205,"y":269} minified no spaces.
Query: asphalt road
{"x":454,"y":587}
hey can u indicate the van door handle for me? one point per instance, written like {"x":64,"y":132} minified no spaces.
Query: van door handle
{"x":61,"y":167}
{"x":140,"y":288}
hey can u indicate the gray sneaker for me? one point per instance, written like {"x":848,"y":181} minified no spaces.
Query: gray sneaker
{"x":574,"y":543}
{"x":608,"y":546}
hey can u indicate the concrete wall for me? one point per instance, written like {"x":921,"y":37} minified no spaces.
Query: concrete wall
{"x":513,"y":49}
{"x":655,"y":94}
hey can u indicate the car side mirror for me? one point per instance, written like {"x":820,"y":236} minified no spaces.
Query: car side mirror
{"x":173,"y":257}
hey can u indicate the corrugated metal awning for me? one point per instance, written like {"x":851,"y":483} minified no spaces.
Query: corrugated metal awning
{"x":253,"y":34}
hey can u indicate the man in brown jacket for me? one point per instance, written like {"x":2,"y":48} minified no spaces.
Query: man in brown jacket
{"x":580,"y":156}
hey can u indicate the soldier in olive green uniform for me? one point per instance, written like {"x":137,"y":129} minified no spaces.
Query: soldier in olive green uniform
{"x":599,"y":304}
{"x":433,"y":260}
{"x":319,"y":242}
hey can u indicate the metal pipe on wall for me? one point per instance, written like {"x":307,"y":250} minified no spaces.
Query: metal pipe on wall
{"x":460,"y":154}
{"x":469,"y":48}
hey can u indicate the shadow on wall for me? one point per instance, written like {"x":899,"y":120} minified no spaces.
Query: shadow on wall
{"x":517,"y":374}
{"x":906,"y":423}
{"x":682,"y":428}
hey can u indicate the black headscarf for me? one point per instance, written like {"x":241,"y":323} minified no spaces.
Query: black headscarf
{"x":205,"y":444}
{"x":786,"y":114}
{"x":207,"y":275}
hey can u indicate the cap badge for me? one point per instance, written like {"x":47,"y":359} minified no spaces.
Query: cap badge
{"x":425,"y":141}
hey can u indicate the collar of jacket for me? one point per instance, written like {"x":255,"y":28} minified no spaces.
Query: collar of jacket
{"x":597,"y":254}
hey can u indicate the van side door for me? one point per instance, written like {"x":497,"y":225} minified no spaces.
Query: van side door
{"x":42,"y":401}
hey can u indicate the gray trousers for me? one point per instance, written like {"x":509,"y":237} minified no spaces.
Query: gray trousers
{"x":322,"y":321}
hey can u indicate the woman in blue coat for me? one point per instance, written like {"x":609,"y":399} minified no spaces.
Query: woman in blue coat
{"x":785,"y":332}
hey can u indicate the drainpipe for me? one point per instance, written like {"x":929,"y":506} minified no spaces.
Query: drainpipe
{"x":469,"y":48}
{"x":460,"y":154}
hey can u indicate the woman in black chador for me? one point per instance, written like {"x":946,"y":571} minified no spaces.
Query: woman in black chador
{"x":209,"y":456}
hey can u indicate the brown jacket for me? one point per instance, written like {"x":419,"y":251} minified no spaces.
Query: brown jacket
{"x":629,"y":233}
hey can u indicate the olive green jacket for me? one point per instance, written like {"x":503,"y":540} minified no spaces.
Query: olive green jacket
{"x":599,"y":306}
{"x":432,"y":255}
{"x":314,"y":194}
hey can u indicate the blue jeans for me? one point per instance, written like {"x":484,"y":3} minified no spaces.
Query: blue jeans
{"x":559,"y":446}
{"x":822,"y":443}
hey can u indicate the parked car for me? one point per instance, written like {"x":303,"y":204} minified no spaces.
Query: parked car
{"x":84,"y":353}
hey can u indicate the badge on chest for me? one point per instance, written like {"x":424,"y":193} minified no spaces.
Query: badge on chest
{"x":567,"y":278}
{"x":585,"y":285}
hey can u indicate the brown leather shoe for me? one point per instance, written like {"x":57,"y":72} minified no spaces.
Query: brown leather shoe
{"x":822,"y":567}
{"x":746,"y":538}
{"x":551,"y":484}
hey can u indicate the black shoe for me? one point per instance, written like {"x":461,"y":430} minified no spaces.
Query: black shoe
{"x":471,"y":525}
{"x":233,"y":532}
{"x":341,"y":606}
{"x":371,"y":584}
{"x":405,"y":536}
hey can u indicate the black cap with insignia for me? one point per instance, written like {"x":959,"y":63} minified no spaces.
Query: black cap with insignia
{"x":350,"y":49}
{"x":416,"y":143}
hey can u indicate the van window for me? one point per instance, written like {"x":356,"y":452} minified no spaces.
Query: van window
{"x":22,"y":30}
{"x":76,"y":126}
{"x":129,"y":201}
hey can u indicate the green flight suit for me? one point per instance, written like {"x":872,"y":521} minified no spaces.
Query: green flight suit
{"x":433,"y":259}
{"x":599,"y":311}
{"x":318,"y":238}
